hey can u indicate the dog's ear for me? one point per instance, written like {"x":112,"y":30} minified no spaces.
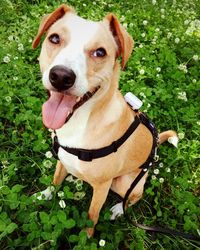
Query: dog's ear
{"x":123,"y":39}
{"x":48,"y":20}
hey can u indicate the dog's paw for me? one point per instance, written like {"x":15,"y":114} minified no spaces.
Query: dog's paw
{"x":117,"y":211}
{"x":46,"y":194}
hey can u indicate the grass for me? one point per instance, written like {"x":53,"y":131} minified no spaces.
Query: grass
{"x":163,"y":71}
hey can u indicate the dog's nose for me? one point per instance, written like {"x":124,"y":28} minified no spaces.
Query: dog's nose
{"x":61,"y":77}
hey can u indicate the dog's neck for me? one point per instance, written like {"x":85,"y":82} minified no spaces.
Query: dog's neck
{"x":97,"y":122}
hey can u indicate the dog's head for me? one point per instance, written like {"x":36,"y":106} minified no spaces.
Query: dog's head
{"x":77,"y":60}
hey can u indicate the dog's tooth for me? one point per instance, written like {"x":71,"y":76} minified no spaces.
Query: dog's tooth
{"x":78,"y":99}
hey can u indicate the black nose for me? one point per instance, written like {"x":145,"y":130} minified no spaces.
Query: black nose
{"x":61,"y":77}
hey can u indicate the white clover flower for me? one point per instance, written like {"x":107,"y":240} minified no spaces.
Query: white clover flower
{"x":141,"y":71}
{"x":182,"y":96}
{"x":8,"y":98}
{"x":183,"y":67}
{"x":162,"y":16}
{"x":158,"y":69}
{"x":162,"y":11}
{"x":94,"y":3}
{"x":5,"y":162}
{"x":122,"y":18}
{"x":79,"y":187}
{"x":47,"y":163}
{"x":148,"y":105}
{"x":20,"y":47}
{"x":62,"y":204}
{"x":181,"y":135}
{"x":157,"y":29}
{"x":143,"y":34}
{"x":16,"y":58}
{"x":142,"y":94}
{"x":51,"y":188}
{"x":16,"y":38}
{"x":156,"y":171}
{"x":84,"y":4}
{"x":43,"y":141}
{"x":79,"y":195}
{"x":69,"y":178}
{"x":125,"y":25}
{"x":194,"y":28}
{"x":140,"y":46}
{"x":177,"y":40}
{"x":194,"y":80}
{"x":168,"y":170}
{"x":161,"y":180}
{"x":198,"y":123}
{"x":131,"y":25}
{"x":186,"y":22}
{"x":11,"y":38}
{"x":145,"y":22}
{"x":15,"y":78}
{"x":79,"y":182}
{"x":161,"y":165}
{"x":61,"y":194}
{"x":154,"y":2}
{"x":30,"y":40}
{"x":143,"y":58}
{"x":157,"y":75}
{"x":48,"y":154}
{"x":6,"y":59}
{"x":169,"y":34}
{"x":153,"y":177}
{"x":102,"y":243}
{"x":195,"y":57}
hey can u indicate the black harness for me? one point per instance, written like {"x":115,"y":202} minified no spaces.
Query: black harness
{"x":91,"y":154}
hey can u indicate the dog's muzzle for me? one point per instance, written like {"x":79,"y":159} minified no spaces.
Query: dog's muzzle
{"x":61,"y":77}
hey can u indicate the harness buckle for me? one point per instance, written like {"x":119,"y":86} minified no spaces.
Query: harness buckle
{"x":156,"y":156}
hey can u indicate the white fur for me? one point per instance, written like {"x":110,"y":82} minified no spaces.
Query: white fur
{"x":173,"y":140}
{"x":46,"y":194}
{"x":72,"y":133}
{"x":117,"y":211}
{"x":73,"y":55}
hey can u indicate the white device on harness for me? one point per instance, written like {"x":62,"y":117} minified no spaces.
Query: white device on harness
{"x":132,"y":100}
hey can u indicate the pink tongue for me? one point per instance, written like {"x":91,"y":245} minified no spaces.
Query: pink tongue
{"x":56,"y":110}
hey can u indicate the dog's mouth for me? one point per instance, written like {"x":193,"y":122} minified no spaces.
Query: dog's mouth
{"x":60,"y":107}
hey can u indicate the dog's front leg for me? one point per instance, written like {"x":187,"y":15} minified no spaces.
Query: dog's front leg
{"x":59,"y":174}
{"x":100,"y":192}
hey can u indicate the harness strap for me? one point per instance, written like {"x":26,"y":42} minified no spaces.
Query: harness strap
{"x":150,"y":160}
{"x":91,"y":154}
{"x":168,"y":231}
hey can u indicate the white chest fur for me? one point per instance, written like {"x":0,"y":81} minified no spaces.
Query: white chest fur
{"x":71,"y":135}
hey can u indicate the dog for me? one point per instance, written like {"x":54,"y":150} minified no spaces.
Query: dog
{"x":80,"y":58}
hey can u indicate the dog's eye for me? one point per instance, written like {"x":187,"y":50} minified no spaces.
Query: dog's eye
{"x":54,"y":38}
{"x":100,"y":52}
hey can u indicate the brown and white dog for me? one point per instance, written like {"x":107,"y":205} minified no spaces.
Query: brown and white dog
{"x":80,"y":56}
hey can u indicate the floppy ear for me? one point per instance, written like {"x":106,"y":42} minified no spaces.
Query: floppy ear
{"x":48,"y":20}
{"x":123,"y":39}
